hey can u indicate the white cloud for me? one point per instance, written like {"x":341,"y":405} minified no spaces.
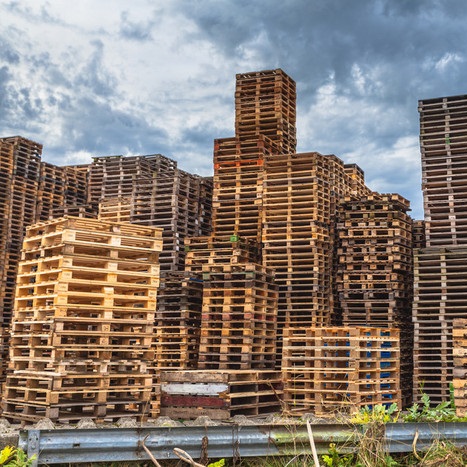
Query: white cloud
{"x":447,"y":60}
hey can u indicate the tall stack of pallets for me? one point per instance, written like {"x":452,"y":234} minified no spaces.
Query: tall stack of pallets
{"x":374,"y":270}
{"x":238,"y":325}
{"x":265,"y":115}
{"x":301,"y":192}
{"x":81,"y":340}
{"x":440,"y":291}
{"x":438,"y":267}
{"x":180,"y":303}
{"x":21,"y":165}
{"x":151,"y":190}
{"x":51,"y":190}
{"x":239,"y":295}
{"x":178,"y":321}
{"x":330,"y":370}
{"x":237,"y":332}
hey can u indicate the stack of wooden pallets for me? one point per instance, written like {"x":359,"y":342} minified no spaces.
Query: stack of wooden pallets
{"x":459,"y":339}
{"x":238,"y":186}
{"x":51,"y":192}
{"x":220,"y":394}
{"x":440,"y":291}
{"x":216,"y":250}
{"x":115,"y":209}
{"x":300,"y":197}
{"x":443,"y":149}
{"x":63,"y":191}
{"x":374,"y":270}
{"x":20,"y":164}
{"x":265,"y":115}
{"x":238,"y":333}
{"x":265,"y":104}
{"x":298,"y":240}
{"x":81,"y":339}
{"x":356,"y":178}
{"x":178,"y":321}
{"x":438,"y":267}
{"x":151,"y":190}
{"x":238,"y":325}
{"x":336,"y":369}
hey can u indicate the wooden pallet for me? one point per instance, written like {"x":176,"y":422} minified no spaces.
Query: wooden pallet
{"x":202,"y":251}
{"x":330,"y":370}
{"x":220,"y":394}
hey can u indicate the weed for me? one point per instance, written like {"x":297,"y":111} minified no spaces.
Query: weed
{"x":443,"y":453}
{"x":426,"y":412}
{"x":15,"y":457}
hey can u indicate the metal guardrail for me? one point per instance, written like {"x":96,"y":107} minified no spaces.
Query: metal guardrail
{"x":70,"y":446}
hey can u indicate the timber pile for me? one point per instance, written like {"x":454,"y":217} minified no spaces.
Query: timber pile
{"x":459,"y":338}
{"x":220,"y":394}
{"x":81,"y":340}
{"x":329,"y":370}
{"x":374,"y":270}
{"x":440,"y":292}
{"x":443,"y":126}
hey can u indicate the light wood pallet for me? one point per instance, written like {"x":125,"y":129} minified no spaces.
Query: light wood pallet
{"x":81,"y":340}
{"x":459,"y":351}
{"x":330,"y":370}
{"x":220,"y":394}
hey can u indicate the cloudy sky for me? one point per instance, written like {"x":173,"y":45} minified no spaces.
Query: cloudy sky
{"x":101,"y":77}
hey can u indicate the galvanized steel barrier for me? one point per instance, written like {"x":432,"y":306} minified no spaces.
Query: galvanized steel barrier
{"x":69,"y":446}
